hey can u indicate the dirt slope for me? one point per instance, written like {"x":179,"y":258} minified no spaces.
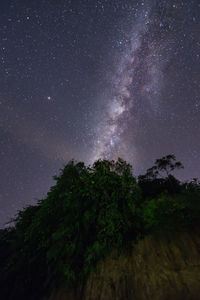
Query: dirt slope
{"x":156,"y":269}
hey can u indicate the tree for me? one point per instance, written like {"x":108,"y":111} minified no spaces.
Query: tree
{"x":87,"y":213}
{"x":158,"y":178}
{"x":165,"y":165}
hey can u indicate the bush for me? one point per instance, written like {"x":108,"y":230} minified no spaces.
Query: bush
{"x":172,"y":212}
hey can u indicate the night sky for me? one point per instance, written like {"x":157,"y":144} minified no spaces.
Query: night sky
{"x":86,"y":79}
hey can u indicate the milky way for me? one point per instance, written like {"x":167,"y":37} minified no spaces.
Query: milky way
{"x":138,"y":78}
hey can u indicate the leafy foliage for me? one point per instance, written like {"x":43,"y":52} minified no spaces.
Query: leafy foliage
{"x":169,"y":213}
{"x":88,"y":212}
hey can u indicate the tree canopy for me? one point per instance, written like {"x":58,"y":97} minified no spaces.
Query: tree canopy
{"x":87,"y":213}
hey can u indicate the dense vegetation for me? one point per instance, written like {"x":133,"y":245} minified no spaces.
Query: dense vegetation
{"x":87,"y":213}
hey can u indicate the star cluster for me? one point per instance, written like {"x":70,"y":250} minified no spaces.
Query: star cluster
{"x":95,"y":79}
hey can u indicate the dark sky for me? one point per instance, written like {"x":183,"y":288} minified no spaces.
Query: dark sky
{"x":85,"y":79}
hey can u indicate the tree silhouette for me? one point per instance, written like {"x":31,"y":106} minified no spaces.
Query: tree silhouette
{"x":163,"y":166}
{"x":158,"y":178}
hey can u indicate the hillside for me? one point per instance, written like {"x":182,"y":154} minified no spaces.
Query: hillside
{"x":156,"y":268}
